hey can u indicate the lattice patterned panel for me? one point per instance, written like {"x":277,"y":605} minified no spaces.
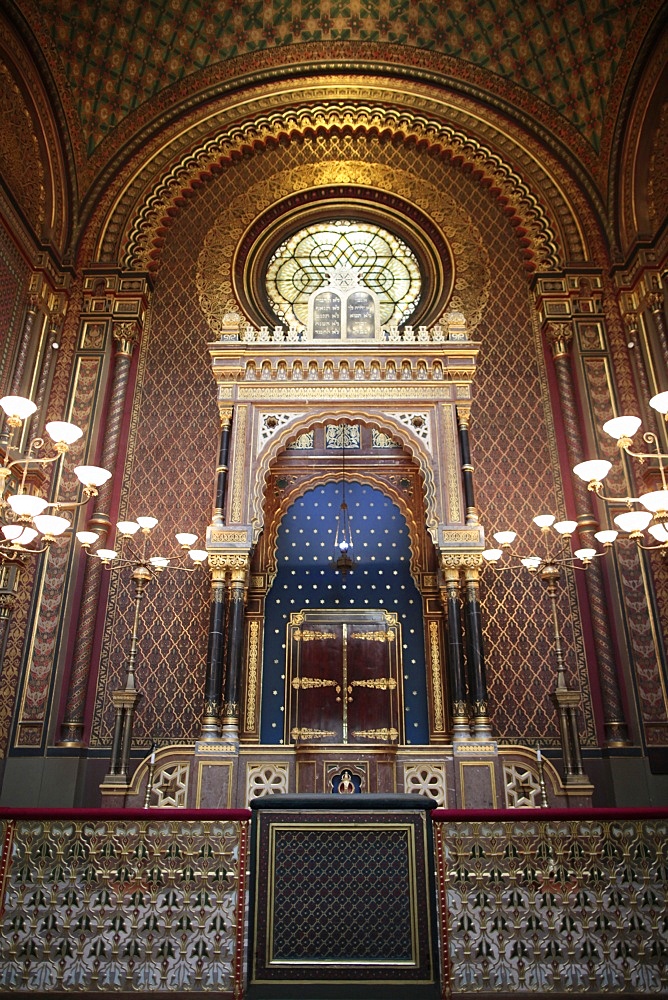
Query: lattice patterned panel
{"x":266,"y":779}
{"x":521,"y":786}
{"x":516,"y":476}
{"x":122,"y":906}
{"x":427,"y":779}
{"x":575,"y":906}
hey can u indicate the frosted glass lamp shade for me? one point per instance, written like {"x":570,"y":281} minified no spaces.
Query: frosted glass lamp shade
{"x":544,"y":520}
{"x":19,"y":534}
{"x":12,"y":531}
{"x":106,"y":555}
{"x":659,"y":532}
{"x":51,"y":524}
{"x":633,"y":520}
{"x":606,"y":537}
{"x":531,"y":563}
{"x":17,"y":407}
{"x":127,"y":527}
{"x":147,"y":523}
{"x":159,"y":562}
{"x":62,"y":432}
{"x":186,"y":538}
{"x":565,"y":527}
{"x":87,"y":537}
{"x":586,"y":555}
{"x":622,"y":427}
{"x":91,"y":475}
{"x":198,"y":555}
{"x":26,"y":505}
{"x":660,"y":402}
{"x":656,"y":501}
{"x":492,"y":555}
{"x":593,"y":471}
{"x":505,"y":537}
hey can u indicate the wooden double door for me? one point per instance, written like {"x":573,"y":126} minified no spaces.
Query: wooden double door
{"x":344,"y":678}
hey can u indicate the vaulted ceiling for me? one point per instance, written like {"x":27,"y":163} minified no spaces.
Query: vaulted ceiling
{"x":119,"y":73}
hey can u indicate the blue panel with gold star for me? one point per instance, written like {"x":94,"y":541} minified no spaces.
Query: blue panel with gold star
{"x":306,"y":579}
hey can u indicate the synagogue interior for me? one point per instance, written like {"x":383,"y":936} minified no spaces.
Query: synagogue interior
{"x":334,"y":428}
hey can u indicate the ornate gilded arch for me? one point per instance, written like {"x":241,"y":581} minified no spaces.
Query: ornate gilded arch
{"x":537,"y":234}
{"x":216,"y":260}
{"x":381,"y":421}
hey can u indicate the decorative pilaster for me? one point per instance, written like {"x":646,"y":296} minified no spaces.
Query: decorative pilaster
{"x":125,"y":334}
{"x":213,"y":684}
{"x":222,"y":467}
{"x":559,"y":336}
{"x":24,"y":346}
{"x":456,"y":664}
{"x":477,"y":676}
{"x":463,"y":422}
{"x":235,"y":618}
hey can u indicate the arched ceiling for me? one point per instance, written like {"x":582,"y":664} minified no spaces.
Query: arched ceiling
{"x":121,"y":60}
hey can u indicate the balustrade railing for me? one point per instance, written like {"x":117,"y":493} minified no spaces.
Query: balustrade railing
{"x":153,"y":901}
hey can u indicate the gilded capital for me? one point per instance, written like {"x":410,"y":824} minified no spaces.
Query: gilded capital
{"x":126,"y":333}
{"x":464,"y":416}
{"x":559,"y":336}
{"x":225,"y":418}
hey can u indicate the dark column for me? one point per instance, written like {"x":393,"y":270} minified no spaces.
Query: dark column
{"x":222,"y":467}
{"x":456,"y":665}
{"x":463,"y":421}
{"x":213,"y":684}
{"x":71,"y":733}
{"x":559,"y":336}
{"x":235,"y":635}
{"x":474,"y":651}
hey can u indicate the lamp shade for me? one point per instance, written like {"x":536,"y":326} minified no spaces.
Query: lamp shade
{"x":147,"y":523}
{"x":659,"y":532}
{"x":544,"y":520}
{"x":198,"y":555}
{"x":17,"y":407}
{"x":656,"y":501}
{"x":18,"y":534}
{"x":586,"y":555}
{"x":12,"y":531}
{"x":51,"y":524}
{"x":27,"y":505}
{"x":660,"y":402}
{"x":622,"y":427}
{"x":159,"y":562}
{"x":606,"y":537}
{"x":62,"y":432}
{"x":91,"y":475}
{"x":593,"y":471}
{"x":106,"y":555}
{"x":565,"y":527}
{"x":27,"y":536}
{"x":127,"y":527}
{"x":87,"y":537}
{"x":492,"y":555}
{"x":633,"y":520}
{"x":505,"y":537}
{"x":531,"y":563}
{"x":186,"y":538}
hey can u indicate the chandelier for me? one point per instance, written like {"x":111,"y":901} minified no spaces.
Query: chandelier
{"x":343,"y":539}
{"x":30,"y":523}
{"x":633,"y":522}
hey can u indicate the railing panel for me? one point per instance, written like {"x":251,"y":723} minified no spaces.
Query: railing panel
{"x":555,"y":906}
{"x":128,"y":905}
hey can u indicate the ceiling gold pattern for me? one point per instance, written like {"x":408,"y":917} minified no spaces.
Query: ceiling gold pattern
{"x":117,"y":56}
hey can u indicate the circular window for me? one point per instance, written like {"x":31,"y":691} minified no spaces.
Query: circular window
{"x":305,"y":261}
